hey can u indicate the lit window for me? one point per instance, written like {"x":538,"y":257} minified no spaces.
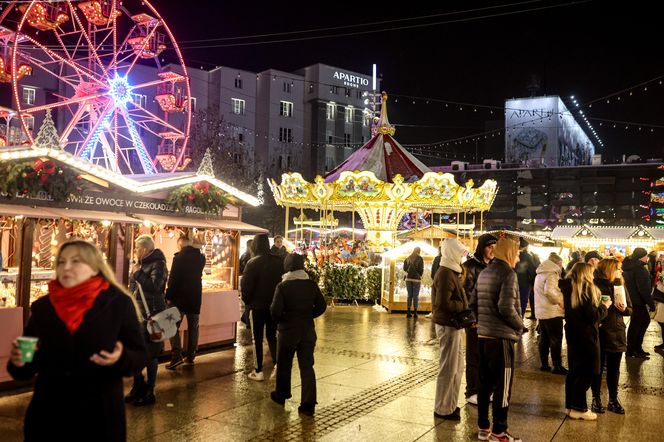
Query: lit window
{"x":330,"y":111}
{"x":349,"y":114}
{"x":140,"y":100}
{"x":238,"y":106}
{"x":286,"y":109}
{"x":30,"y":122}
{"x":29,"y":95}
{"x":192,"y":103}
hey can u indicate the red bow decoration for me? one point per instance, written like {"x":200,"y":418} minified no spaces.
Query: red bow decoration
{"x":39,"y":165}
{"x":49,"y":167}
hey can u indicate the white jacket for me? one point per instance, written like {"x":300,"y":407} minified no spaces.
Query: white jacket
{"x":548,"y":297}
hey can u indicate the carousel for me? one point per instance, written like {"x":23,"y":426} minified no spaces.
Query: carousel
{"x":382,"y":182}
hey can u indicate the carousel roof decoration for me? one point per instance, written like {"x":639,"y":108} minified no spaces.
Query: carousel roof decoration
{"x":370,"y":182}
{"x":382,"y":154}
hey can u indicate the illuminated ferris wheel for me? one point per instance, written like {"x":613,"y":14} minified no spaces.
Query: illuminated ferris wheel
{"x":121,"y":88}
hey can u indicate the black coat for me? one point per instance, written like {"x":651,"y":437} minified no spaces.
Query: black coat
{"x":612,"y":330}
{"x":74,"y":398}
{"x":526,"y":270}
{"x":435,"y":265}
{"x":295,"y":305}
{"x":184,"y":281}
{"x":260,"y":279}
{"x":473,"y":266}
{"x":637,"y":282}
{"x":152,"y":276}
{"x":414,"y":267}
{"x":582,"y":328}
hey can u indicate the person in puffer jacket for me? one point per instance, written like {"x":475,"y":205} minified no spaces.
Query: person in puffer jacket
{"x":550,"y":311}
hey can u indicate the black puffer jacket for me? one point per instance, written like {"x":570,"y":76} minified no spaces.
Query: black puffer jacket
{"x":152,"y":277}
{"x":261,"y":275}
{"x":612,"y":334}
{"x":297,"y":301}
{"x":498,"y":302}
{"x":185,"y":288}
{"x":637,"y":282}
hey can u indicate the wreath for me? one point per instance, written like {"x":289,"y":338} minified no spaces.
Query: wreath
{"x":198,"y":195}
{"x":30,"y":178}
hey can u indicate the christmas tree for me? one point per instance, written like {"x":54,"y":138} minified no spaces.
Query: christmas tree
{"x":47,"y":137}
{"x":206,"y":164}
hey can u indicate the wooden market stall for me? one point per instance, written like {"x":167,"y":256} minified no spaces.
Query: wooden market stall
{"x":620,"y":240}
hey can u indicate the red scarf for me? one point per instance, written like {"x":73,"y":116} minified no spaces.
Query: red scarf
{"x":72,"y":303}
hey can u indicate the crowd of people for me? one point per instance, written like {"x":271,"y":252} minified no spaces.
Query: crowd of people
{"x":486,"y":296}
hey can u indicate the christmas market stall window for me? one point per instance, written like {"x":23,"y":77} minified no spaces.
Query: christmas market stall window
{"x":198,"y":195}
{"x":32,"y":177}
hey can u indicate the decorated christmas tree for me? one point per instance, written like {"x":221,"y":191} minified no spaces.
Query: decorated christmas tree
{"x":47,"y":137}
{"x":206,"y":164}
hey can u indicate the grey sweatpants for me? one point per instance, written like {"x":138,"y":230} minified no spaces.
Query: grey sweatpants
{"x":448,"y":381}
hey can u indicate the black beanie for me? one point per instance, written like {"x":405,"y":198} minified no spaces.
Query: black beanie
{"x":293,"y":262}
{"x":639,"y":253}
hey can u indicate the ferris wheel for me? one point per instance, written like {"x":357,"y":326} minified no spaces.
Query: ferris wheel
{"x":119,"y":86}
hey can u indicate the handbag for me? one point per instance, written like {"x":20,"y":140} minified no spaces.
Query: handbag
{"x":463,"y":319}
{"x":164,"y":324}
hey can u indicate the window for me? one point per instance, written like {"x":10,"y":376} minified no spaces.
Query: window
{"x":30,"y":122}
{"x":238,"y":106}
{"x":240,"y":137}
{"x":192,"y":103}
{"x":334,"y":90}
{"x":349,"y":114}
{"x":347,"y":91}
{"x":285,"y":135}
{"x":359,"y":94}
{"x":330,"y":111}
{"x":329,"y":137}
{"x":286,"y":109}
{"x":346,"y":140}
{"x":238,"y":83}
{"x":288,"y":86}
{"x":366,"y":118}
{"x":29,"y":95}
{"x":140,"y":100}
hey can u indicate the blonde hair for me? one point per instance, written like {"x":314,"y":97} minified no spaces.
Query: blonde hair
{"x":583,"y":286}
{"x":554,"y":257}
{"x":145,"y":241}
{"x":608,"y":267}
{"x":90,"y":254}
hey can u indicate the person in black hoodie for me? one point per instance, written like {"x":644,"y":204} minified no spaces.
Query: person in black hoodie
{"x":486,"y":244}
{"x":261,"y":276}
{"x":414,"y":268}
{"x":297,"y":301}
{"x":637,"y":282}
{"x":584,"y":310}
{"x":612,"y":339}
{"x":526,"y":273}
{"x":185,"y":291}
{"x":89,"y":338}
{"x":151,"y":273}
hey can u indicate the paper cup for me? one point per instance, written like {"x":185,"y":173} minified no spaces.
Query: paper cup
{"x":606,"y":298}
{"x":27,"y":345}
{"x":619,"y":295}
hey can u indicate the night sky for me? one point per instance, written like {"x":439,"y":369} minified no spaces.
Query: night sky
{"x":587,"y":49}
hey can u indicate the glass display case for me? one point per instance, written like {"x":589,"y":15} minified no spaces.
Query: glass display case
{"x":38,"y":285}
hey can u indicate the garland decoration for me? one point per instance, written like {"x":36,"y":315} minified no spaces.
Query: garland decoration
{"x":198,"y":195}
{"x":28,"y":178}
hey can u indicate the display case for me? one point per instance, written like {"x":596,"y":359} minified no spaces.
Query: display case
{"x":393,"y":293}
{"x":38,"y":285}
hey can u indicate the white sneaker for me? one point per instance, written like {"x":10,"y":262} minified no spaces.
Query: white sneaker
{"x":483,"y":434}
{"x":472,"y":400}
{"x":429,"y":316}
{"x":256,"y":376}
{"x":587,"y":416}
{"x":274,"y":373}
{"x":504,"y":437}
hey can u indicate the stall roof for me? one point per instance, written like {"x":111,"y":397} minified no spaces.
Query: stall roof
{"x":93,"y":215}
{"x":30,"y":212}
{"x":194,"y":222}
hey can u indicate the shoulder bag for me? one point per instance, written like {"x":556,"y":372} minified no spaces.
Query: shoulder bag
{"x":163,"y":325}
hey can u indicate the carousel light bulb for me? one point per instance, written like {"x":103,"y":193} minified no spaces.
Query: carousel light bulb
{"x":147,"y":223}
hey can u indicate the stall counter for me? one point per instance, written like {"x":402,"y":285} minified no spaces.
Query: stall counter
{"x":11,"y":327}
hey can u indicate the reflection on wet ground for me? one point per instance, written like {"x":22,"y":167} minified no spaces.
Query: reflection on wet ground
{"x":375,"y":376}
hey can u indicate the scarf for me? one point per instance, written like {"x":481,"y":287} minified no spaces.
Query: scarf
{"x":296,"y":274}
{"x":71,"y":304}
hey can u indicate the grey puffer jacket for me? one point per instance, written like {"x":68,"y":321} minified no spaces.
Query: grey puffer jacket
{"x":498,"y":302}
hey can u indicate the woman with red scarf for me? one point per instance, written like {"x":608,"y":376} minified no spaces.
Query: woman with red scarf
{"x":89,"y":338}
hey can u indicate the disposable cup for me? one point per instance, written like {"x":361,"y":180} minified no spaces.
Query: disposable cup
{"x":27,"y":345}
{"x":606,"y":298}
{"x":619,"y":294}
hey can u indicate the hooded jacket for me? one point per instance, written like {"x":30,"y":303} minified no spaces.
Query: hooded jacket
{"x":447,"y":295}
{"x":185,"y":287}
{"x":548,"y":297}
{"x":637,"y":282}
{"x":414,"y":268}
{"x":472,"y":268}
{"x":498,"y":295}
{"x":261,"y":275}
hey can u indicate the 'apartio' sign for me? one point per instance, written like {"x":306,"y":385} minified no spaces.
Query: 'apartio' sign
{"x":351,"y":80}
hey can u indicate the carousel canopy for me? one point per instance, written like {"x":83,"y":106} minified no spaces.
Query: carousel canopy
{"x":382,"y":155}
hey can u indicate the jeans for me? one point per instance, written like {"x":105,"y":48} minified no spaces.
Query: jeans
{"x":413,"y":289}
{"x":524,"y":295}
{"x":496,"y":372}
{"x":192,"y":337}
{"x":152,"y":366}
{"x":302,"y":343}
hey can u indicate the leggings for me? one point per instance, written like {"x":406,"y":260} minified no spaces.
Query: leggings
{"x":612,"y":374}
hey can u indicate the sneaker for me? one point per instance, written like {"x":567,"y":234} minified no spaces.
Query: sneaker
{"x":256,"y":376}
{"x":430,"y":315}
{"x":584,"y":416}
{"x":614,"y":407}
{"x":148,"y":398}
{"x":176,"y":361}
{"x":559,"y":369}
{"x":273,"y":375}
{"x":453,"y":416}
{"x":472,"y":400}
{"x":545,"y":368}
{"x":504,"y":437}
{"x":189,"y":361}
{"x":307,"y":409}
{"x":483,"y":434}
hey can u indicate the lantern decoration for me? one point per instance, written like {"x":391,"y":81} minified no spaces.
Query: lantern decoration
{"x":45,"y":16}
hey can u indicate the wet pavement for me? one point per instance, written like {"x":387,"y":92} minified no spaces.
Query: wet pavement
{"x":376,"y":382}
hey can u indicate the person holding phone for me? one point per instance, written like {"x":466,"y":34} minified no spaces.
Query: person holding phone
{"x":89,"y":338}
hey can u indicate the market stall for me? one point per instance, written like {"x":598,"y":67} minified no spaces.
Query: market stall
{"x":616,"y":240}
